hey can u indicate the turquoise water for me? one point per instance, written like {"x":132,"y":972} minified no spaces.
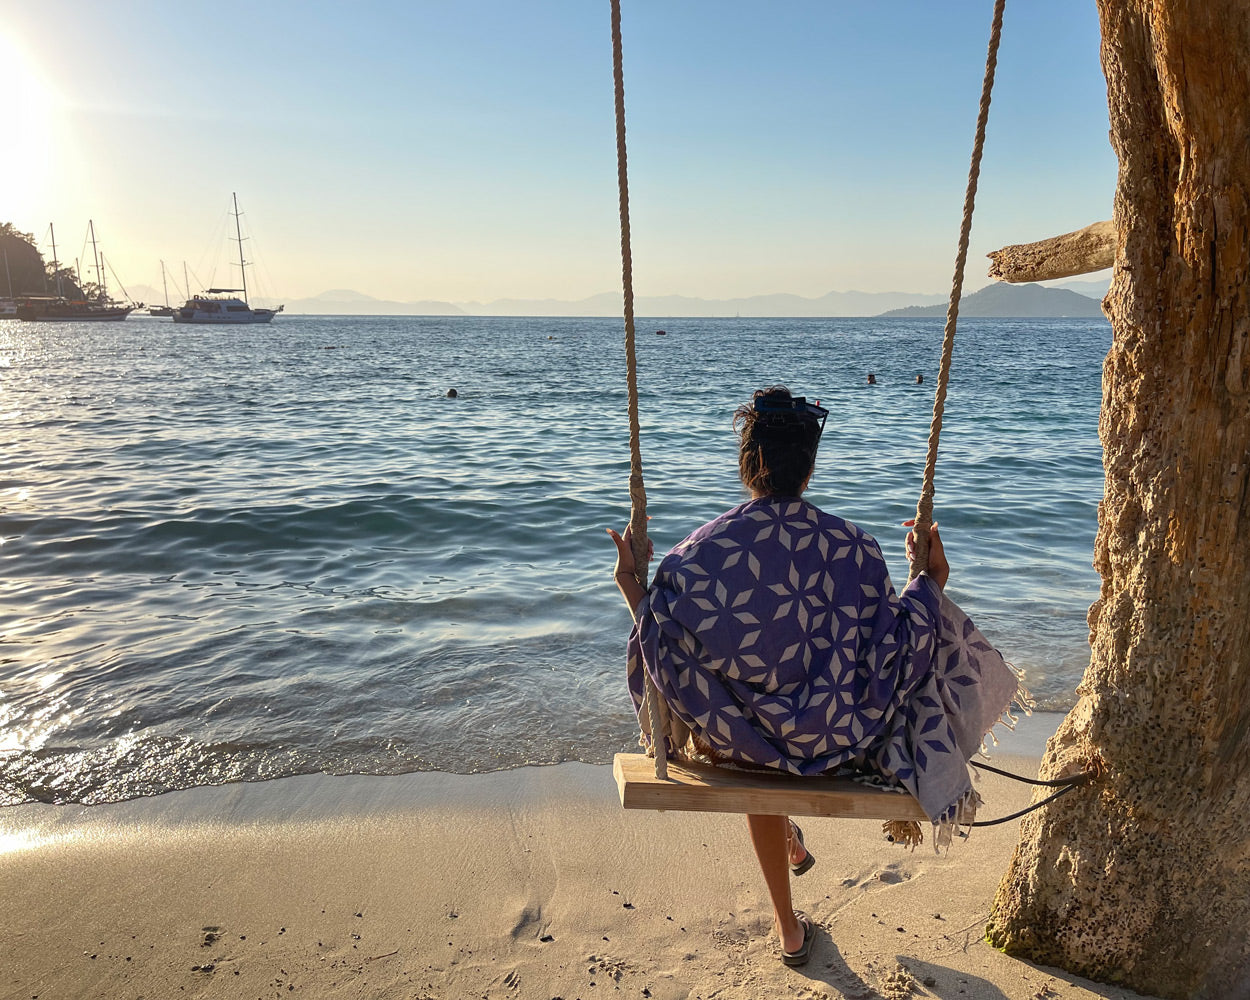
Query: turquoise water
{"x":238,"y":554}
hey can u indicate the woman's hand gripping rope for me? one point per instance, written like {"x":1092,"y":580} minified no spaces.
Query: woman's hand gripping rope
{"x":939,"y":569}
{"x":626,"y":572}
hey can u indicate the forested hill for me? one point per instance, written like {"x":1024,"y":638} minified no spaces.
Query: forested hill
{"x":1004,"y":301}
{"x":26,"y":273}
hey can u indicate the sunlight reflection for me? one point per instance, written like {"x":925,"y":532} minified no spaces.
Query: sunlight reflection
{"x":26,"y":178}
{"x":30,"y":728}
{"x":22,"y":840}
{"x":16,"y":839}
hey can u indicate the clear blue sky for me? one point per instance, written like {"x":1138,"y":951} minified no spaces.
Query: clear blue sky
{"x":465,"y":150}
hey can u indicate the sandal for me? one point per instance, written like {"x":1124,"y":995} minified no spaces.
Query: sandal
{"x":804,"y":951}
{"x":809,"y":859}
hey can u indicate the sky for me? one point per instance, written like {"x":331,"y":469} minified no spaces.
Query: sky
{"x":465,"y":151}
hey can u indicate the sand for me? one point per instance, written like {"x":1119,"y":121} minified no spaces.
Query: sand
{"x":531,"y":883}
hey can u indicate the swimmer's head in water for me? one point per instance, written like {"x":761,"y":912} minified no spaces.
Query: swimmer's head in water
{"x":452,"y":394}
{"x":778,"y":434}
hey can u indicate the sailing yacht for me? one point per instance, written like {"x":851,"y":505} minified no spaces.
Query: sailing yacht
{"x":222,"y":305}
{"x":58,"y":308}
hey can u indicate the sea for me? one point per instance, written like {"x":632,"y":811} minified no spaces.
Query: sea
{"x":240,"y":554}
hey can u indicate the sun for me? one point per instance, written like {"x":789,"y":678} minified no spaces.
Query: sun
{"x":27,"y":169}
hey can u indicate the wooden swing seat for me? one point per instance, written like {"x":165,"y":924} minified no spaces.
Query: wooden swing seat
{"x":693,"y":787}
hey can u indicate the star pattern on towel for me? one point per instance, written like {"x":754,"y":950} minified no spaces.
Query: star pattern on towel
{"x":776,"y":635}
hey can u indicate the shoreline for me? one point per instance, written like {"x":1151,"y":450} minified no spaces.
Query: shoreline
{"x":524,"y":883}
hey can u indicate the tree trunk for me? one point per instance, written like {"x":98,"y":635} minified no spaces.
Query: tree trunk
{"x":1144,"y":878}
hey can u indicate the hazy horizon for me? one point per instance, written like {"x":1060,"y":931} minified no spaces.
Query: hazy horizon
{"x":779,"y":305}
{"x":466,"y":153}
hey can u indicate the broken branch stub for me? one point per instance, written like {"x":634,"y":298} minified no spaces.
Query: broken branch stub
{"x":1082,"y":252}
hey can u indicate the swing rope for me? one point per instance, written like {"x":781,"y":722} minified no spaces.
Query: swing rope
{"x":924,"y":508}
{"x":657,"y":710}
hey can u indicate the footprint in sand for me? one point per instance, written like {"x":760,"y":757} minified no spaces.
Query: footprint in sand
{"x":530,"y":924}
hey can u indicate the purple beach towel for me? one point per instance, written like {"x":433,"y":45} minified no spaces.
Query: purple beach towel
{"x":776,"y":637}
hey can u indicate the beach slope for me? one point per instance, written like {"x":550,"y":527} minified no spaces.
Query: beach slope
{"x":527,"y":883}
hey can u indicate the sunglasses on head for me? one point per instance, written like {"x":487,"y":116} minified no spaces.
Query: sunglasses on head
{"x":791,"y":406}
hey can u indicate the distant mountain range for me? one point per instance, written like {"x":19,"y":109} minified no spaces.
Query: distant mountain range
{"x":1023,"y":301}
{"x":609,"y":304}
{"x":1075,"y":298}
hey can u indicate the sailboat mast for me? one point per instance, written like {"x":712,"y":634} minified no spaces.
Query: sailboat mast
{"x":164,"y":285}
{"x":185,"y":280}
{"x":56,"y":266}
{"x":239,"y":237}
{"x":7,"y":275}
{"x":99,"y":274}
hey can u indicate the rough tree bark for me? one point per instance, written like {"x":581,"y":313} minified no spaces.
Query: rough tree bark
{"x":1144,"y":879}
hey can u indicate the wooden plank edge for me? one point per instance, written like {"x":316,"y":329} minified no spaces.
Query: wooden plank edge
{"x":691,"y":788}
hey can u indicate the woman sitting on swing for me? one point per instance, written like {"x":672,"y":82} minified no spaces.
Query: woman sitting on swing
{"x":778,"y":642}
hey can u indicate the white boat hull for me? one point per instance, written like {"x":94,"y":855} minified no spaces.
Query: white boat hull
{"x":217,"y":311}
{"x":227,"y":319}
